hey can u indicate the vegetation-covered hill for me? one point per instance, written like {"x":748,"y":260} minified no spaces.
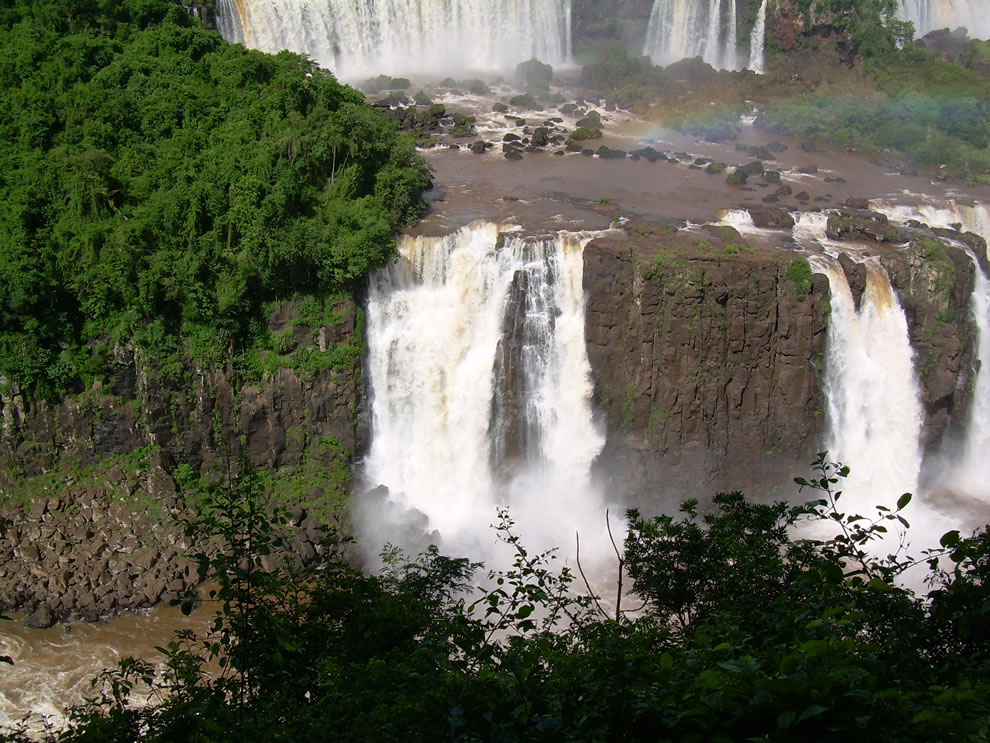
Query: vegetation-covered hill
{"x":160,"y":184}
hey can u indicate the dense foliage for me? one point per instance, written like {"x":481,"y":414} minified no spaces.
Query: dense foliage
{"x":157,"y":182}
{"x":745,"y":633}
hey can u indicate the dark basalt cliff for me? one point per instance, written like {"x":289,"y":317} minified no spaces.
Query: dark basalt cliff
{"x":90,"y":485}
{"x":706,"y":358}
{"x":708,"y":355}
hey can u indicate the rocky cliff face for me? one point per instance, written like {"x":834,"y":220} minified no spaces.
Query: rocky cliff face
{"x":90,"y":486}
{"x":708,"y":354}
{"x":707,"y":361}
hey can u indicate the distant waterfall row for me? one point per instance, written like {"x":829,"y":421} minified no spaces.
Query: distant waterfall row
{"x":929,"y":15}
{"x":708,"y":29}
{"x":360,"y":38}
{"x":481,"y":389}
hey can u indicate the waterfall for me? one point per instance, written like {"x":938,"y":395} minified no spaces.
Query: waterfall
{"x":874,"y":412}
{"x":929,"y":15}
{"x":757,"y":40}
{"x":360,"y":38}
{"x":481,"y":389}
{"x":731,"y":39}
{"x":967,"y":471}
{"x":970,"y":475}
{"x":692,"y":28}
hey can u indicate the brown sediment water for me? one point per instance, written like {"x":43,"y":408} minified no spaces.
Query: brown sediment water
{"x":54,"y":668}
{"x":547,"y":191}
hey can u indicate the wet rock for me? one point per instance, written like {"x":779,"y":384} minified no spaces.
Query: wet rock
{"x":753,"y":168}
{"x":647,"y":153}
{"x":771,"y":176}
{"x":808,"y":169}
{"x":862,"y":225}
{"x":479,"y":147}
{"x":854,"y":203}
{"x":736,"y":177}
{"x":592,"y":121}
{"x":763,"y":153}
{"x":784,"y":190}
{"x":510,"y":137}
{"x":40,"y":618}
{"x":802,"y":196}
{"x":541,"y":137}
{"x":535,"y":75}
{"x":809,"y":147}
{"x":607,"y":153}
{"x":513,"y":155}
{"x":771,"y":218}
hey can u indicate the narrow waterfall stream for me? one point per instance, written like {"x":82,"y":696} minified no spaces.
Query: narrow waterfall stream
{"x":357,"y":39}
{"x":481,"y":392}
{"x":757,"y":40}
{"x":874,"y":410}
{"x":966,"y":469}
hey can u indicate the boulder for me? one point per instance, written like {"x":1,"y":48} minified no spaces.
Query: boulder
{"x":607,"y":153}
{"x":592,"y":121}
{"x":862,"y":225}
{"x":534,"y":74}
{"x":40,"y":618}
{"x":541,"y":137}
{"x":752,"y":168}
{"x":771,"y":218}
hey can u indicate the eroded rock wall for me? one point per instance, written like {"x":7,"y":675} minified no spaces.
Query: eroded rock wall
{"x":707,"y":362}
{"x":91,"y":486}
{"x":708,"y":355}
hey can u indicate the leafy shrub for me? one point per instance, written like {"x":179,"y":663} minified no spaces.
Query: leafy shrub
{"x":799,"y":273}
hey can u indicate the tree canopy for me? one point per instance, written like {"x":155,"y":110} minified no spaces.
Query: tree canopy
{"x":157,"y":182}
{"x":745,"y":632}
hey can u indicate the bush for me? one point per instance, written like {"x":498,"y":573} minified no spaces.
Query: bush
{"x":799,"y":273}
{"x":584,"y":133}
{"x":741,"y":632}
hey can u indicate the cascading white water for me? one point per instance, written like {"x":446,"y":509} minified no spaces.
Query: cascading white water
{"x":971,"y":472}
{"x":360,"y":38}
{"x":929,"y":15}
{"x":967,"y":471}
{"x":757,"y":40}
{"x":874,"y":410}
{"x":692,"y":28}
{"x":440,"y":323}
